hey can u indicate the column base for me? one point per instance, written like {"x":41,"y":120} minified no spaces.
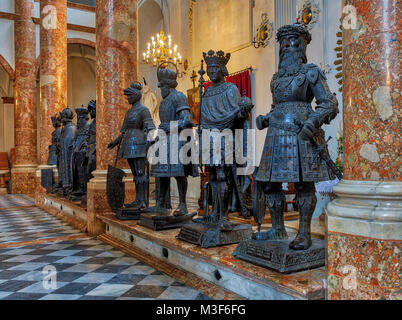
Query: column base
{"x":97,"y":199}
{"x":23,"y":179}
{"x":364,"y":240}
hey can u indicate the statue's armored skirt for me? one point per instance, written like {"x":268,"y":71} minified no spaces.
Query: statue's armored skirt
{"x":286,"y":157}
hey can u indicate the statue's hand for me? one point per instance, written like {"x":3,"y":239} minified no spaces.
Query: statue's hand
{"x":262,"y":122}
{"x":307,"y":131}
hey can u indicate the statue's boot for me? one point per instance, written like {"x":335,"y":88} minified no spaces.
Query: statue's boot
{"x":214,"y":216}
{"x":136,"y":202}
{"x":140,"y":203}
{"x":161,"y":207}
{"x":306,"y":201}
{"x":182,"y":186}
{"x":276,"y":203}
{"x":223,"y":196}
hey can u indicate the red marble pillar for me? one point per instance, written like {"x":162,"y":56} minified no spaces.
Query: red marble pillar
{"x":365,"y":221}
{"x":24,"y":170}
{"x":53,"y":67}
{"x":116,"y":69}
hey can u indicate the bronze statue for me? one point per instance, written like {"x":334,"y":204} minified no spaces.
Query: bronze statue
{"x":91,"y":150}
{"x":66,"y":151}
{"x":133,"y":144}
{"x":80,"y":147}
{"x":292,"y":150}
{"x":221,"y":108}
{"x":174,"y":107}
{"x":52,"y":160}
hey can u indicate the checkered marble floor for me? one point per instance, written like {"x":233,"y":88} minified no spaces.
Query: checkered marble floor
{"x":26,"y":224}
{"x":14,"y":200}
{"x":85,"y":269}
{"x":79,"y":269}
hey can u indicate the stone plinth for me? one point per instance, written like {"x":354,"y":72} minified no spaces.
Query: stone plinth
{"x":23,"y":179}
{"x":215,"y":265}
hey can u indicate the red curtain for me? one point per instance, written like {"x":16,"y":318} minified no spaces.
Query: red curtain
{"x":241,"y":80}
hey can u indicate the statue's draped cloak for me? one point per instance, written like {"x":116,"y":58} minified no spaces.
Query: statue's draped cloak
{"x":219,"y":110}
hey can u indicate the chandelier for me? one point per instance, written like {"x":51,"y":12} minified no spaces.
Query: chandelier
{"x":160,"y":50}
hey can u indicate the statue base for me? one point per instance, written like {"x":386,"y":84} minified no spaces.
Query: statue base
{"x":158,"y":222}
{"x":278,"y":256}
{"x":208,"y":235}
{"x":129,"y":214}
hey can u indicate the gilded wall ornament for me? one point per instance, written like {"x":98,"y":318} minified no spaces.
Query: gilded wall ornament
{"x":264,"y":32}
{"x":308,"y":14}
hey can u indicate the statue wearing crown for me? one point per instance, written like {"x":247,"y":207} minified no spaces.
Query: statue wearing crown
{"x":223,"y":110}
{"x":175,"y":116}
{"x":294,"y":151}
{"x":80,"y":147}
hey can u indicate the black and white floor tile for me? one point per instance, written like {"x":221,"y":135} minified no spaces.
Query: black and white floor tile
{"x":80,"y":269}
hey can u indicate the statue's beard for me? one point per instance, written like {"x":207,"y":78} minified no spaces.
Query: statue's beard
{"x":291,"y":60}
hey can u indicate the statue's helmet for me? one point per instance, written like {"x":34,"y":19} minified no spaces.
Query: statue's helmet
{"x":166,"y":75}
{"x":134,"y":90}
{"x":82,"y":112}
{"x":294,"y":29}
{"x":218,"y":59}
{"x":67,"y":114}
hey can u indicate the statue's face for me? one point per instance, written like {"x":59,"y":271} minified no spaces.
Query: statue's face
{"x":133,"y":98}
{"x":165,"y":89}
{"x":292,"y":48}
{"x":215,"y":73}
{"x":81,"y":121}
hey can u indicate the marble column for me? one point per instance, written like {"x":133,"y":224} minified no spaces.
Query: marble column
{"x":116,"y":69}
{"x":365,"y":220}
{"x":53,"y":72}
{"x":24,"y":170}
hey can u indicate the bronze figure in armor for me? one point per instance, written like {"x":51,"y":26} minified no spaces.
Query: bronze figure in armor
{"x":174,"y":107}
{"x":66,"y":151}
{"x":133,"y":144}
{"x":91,"y":150}
{"x":288,"y":154}
{"x":52,"y":160}
{"x":80,"y":148}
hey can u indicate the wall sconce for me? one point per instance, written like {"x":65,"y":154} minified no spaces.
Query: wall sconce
{"x":264,"y":32}
{"x":308,"y":15}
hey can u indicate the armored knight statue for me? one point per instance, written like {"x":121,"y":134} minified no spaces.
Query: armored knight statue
{"x":174,"y":107}
{"x":53,"y":148}
{"x":221,"y":108}
{"x":294,"y":132}
{"x":91,"y":138}
{"x":80,"y":147}
{"x":66,"y":151}
{"x":133,"y":144}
